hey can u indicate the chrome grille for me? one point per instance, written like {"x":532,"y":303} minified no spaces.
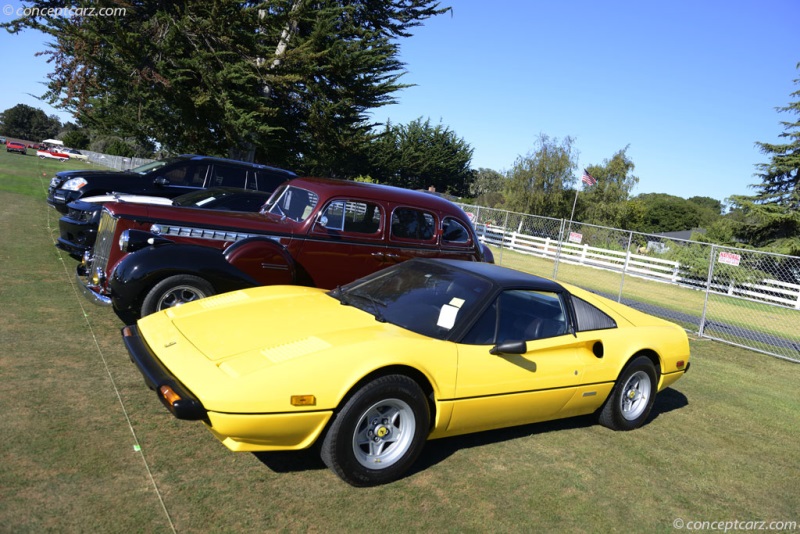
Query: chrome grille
{"x":104,"y":241}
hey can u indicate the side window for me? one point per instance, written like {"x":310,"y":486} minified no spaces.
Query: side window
{"x":333,"y":216}
{"x":454,"y":232}
{"x":187,"y":175}
{"x":410,"y":223}
{"x":589,"y":317}
{"x":265,"y":180}
{"x":523,"y":316}
{"x":352,"y":216}
{"x":228,"y":176}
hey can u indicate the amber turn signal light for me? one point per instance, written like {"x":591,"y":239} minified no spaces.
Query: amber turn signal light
{"x":303,"y":400}
{"x":169,"y":394}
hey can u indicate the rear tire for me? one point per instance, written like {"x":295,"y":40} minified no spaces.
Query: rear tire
{"x":379,"y":433}
{"x":632,"y":398}
{"x":175,"y":291}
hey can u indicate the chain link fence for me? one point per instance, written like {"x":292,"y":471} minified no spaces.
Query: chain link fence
{"x":738,"y":296}
{"x":119,"y":163}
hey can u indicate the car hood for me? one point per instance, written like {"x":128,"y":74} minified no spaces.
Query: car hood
{"x":268,"y":320}
{"x":250,"y":350}
{"x":66,"y":175}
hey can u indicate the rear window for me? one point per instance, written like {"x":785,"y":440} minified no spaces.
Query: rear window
{"x":454,"y":232}
{"x":591,"y":318}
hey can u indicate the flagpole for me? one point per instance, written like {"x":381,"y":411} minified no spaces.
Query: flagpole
{"x":588,"y":179}
{"x":569,"y":230}
{"x":571,"y":215}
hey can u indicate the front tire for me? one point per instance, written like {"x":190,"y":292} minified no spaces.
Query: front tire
{"x":632,"y":398}
{"x":379,"y":432}
{"x":175,"y":291}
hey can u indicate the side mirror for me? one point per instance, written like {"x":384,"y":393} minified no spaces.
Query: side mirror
{"x":509,"y":347}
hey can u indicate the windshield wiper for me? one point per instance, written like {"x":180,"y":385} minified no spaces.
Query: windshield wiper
{"x":378,"y":315}
{"x":375,"y":305}
{"x":339,"y":294}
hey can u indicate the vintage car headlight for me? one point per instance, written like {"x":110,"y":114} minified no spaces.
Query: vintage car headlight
{"x":73,"y":184}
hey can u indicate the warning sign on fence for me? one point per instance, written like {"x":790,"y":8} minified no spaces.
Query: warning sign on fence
{"x":575,"y":237}
{"x":730,"y":258}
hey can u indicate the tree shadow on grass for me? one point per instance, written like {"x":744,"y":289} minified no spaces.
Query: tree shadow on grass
{"x":438,"y":450}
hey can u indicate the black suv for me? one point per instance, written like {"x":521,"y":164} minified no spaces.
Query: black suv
{"x":168,"y":177}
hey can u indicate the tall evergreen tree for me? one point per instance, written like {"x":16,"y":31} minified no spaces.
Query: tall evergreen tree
{"x":771,"y":217}
{"x":419,"y":156}
{"x":290,"y":81}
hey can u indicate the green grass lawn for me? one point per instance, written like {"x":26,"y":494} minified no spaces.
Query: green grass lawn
{"x":86,"y":446}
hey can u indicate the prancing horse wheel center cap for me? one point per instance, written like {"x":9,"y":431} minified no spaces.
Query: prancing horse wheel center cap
{"x":381,"y":431}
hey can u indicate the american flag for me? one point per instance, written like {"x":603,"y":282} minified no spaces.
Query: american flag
{"x":587,"y":178}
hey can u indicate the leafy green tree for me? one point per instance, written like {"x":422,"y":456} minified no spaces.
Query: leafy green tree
{"x":772,"y":215}
{"x":28,"y":123}
{"x":76,"y":139}
{"x":711,"y":204}
{"x":487,"y":187}
{"x":486,"y":181}
{"x":288,"y":81}
{"x":419,"y":156}
{"x":606,"y":202}
{"x":668,"y":213}
{"x":539,"y":183}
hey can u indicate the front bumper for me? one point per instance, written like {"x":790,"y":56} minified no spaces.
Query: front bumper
{"x":156,"y":376}
{"x":90,"y":291}
{"x":76,"y":236}
{"x":59,"y":198}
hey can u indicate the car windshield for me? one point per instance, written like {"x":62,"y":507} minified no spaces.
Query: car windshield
{"x":291,"y":202}
{"x":147,"y":168}
{"x":426,"y":298}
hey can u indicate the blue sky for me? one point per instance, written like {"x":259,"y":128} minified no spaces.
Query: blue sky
{"x":688,"y":86}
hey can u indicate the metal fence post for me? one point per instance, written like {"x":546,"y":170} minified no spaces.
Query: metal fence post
{"x":625,"y":267}
{"x":558,"y":249}
{"x":708,"y":290}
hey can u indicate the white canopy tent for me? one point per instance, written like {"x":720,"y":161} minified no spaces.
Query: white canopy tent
{"x":53,"y":142}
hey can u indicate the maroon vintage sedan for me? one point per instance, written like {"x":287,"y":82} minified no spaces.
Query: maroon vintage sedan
{"x":312,"y":231}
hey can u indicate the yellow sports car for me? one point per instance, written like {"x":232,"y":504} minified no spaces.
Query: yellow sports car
{"x":421,"y":350}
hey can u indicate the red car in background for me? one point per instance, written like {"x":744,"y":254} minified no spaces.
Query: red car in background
{"x":13,"y":146}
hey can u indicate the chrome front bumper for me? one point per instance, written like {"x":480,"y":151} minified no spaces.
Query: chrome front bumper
{"x":91,"y":292}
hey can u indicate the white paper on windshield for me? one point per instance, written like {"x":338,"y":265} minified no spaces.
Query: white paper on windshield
{"x":447,"y":316}
{"x":456,"y":302}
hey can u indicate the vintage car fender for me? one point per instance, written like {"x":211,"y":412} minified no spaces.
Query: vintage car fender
{"x":265,"y":260}
{"x":141,"y":270}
